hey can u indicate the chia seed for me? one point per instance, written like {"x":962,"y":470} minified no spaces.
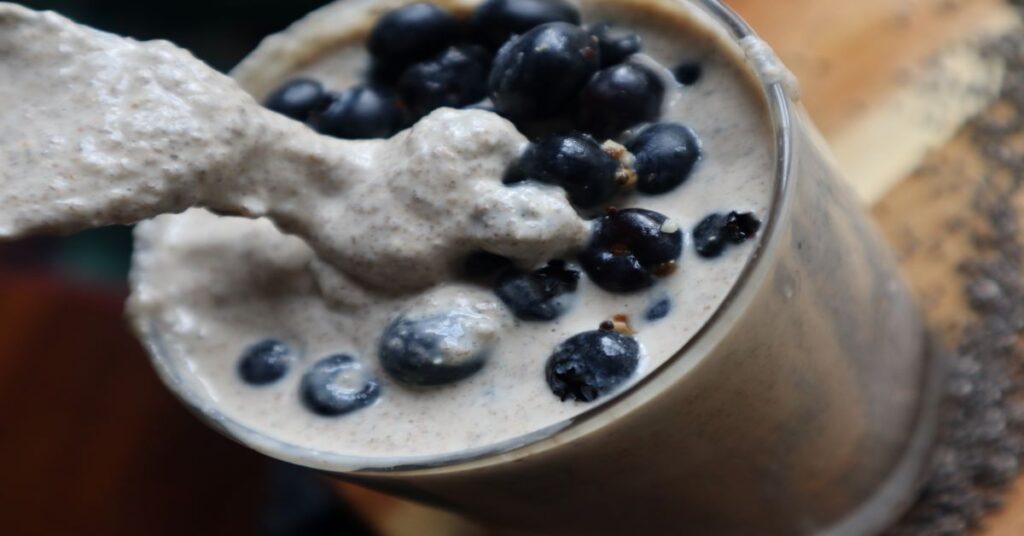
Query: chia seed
{"x":981,"y":431}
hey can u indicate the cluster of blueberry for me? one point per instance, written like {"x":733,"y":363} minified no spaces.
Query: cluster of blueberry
{"x":574,"y":90}
{"x":528,"y":60}
{"x":334,"y":385}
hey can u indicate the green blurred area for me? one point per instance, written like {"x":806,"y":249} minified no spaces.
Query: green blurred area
{"x":220,"y":32}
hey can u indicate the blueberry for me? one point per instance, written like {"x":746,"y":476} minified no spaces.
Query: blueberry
{"x":433,"y":350}
{"x":358,"y":113}
{"x":616,"y":44}
{"x":666,"y":154}
{"x":615,"y":272}
{"x":591,"y":364}
{"x":617,"y":98}
{"x":411,"y":33}
{"x":265,"y":362}
{"x":495,"y":21}
{"x":716,"y":231}
{"x":456,"y":77}
{"x":648,"y":235}
{"x":688,"y":73}
{"x":575,"y":162}
{"x":537,"y":74}
{"x":540,"y":294}
{"x":629,"y":248}
{"x":337,"y":385}
{"x":659,"y":309}
{"x":297,"y":98}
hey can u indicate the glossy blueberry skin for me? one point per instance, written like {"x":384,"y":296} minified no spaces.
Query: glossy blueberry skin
{"x":495,"y":21}
{"x":265,"y":362}
{"x":666,"y":154}
{"x":358,"y":113}
{"x":617,"y":98}
{"x":337,"y":385}
{"x":576,"y":162}
{"x":626,"y":249}
{"x":456,"y":77}
{"x":538,"y":295}
{"x":616,"y":273}
{"x":412,"y":350}
{"x":411,"y":33}
{"x":616,"y":44}
{"x":591,"y":364}
{"x":297,"y":98}
{"x":717,"y":231}
{"x":639,"y":231}
{"x":537,"y":74}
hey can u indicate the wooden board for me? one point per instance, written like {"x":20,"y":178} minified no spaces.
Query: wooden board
{"x":890,"y":84}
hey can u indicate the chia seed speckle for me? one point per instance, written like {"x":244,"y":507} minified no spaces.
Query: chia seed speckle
{"x":981,"y":437}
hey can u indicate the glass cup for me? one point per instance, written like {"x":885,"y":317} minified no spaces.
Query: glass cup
{"x":805,"y":405}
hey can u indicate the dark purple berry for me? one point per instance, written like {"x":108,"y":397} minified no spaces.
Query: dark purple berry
{"x":456,"y":77}
{"x":617,"y":98}
{"x":616,"y":44}
{"x":297,"y":98}
{"x":648,"y":235}
{"x":659,"y":309}
{"x":540,"y":294}
{"x":630,"y":248}
{"x":717,"y":231}
{"x":337,"y":385}
{"x":666,"y":154}
{"x":495,"y":21}
{"x":433,"y":350}
{"x":358,"y":113}
{"x":688,"y":73}
{"x":412,"y":33}
{"x":537,"y":74}
{"x":575,"y":162}
{"x":265,"y":362}
{"x":616,"y":272}
{"x":592,"y":364}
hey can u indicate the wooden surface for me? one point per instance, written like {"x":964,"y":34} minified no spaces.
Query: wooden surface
{"x":888,"y":81}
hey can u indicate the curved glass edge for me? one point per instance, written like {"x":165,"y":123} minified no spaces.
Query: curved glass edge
{"x":779,"y":108}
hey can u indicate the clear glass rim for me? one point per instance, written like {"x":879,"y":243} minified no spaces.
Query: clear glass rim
{"x":779,"y":112}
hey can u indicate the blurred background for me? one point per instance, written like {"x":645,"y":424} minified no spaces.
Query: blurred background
{"x":90,"y":442}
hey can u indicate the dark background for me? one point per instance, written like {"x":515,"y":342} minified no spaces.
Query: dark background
{"x":90,"y":441}
{"x":220,"y":32}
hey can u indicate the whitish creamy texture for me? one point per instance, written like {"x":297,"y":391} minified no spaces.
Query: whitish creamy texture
{"x":101,"y":129}
{"x":206,"y":287}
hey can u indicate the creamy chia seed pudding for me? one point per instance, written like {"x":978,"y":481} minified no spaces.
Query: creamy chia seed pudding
{"x":576,"y":268}
{"x":208,"y":313}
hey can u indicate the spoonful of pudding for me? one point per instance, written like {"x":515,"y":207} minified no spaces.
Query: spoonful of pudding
{"x":100,"y":129}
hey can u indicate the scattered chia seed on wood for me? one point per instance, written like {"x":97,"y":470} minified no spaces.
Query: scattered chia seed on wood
{"x":980,"y":445}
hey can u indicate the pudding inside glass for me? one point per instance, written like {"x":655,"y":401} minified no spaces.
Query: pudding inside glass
{"x":772,"y":377}
{"x":208,"y":309}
